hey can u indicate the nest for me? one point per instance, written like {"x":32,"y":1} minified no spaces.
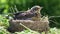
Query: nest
{"x":35,"y":23}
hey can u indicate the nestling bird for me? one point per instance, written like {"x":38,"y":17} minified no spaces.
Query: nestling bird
{"x":28,"y":14}
{"x":36,"y":23}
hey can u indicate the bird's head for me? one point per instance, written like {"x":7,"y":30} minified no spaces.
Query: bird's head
{"x":36,"y":9}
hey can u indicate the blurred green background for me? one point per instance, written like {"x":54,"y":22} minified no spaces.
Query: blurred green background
{"x":50,"y":8}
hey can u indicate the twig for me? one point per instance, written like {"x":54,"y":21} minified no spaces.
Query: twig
{"x":25,"y":27}
{"x":54,"y":17}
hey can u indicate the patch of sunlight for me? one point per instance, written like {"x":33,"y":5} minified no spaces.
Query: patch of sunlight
{"x":3,"y":1}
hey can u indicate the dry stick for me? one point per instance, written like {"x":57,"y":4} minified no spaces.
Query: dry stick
{"x":54,"y":17}
{"x":25,"y":27}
